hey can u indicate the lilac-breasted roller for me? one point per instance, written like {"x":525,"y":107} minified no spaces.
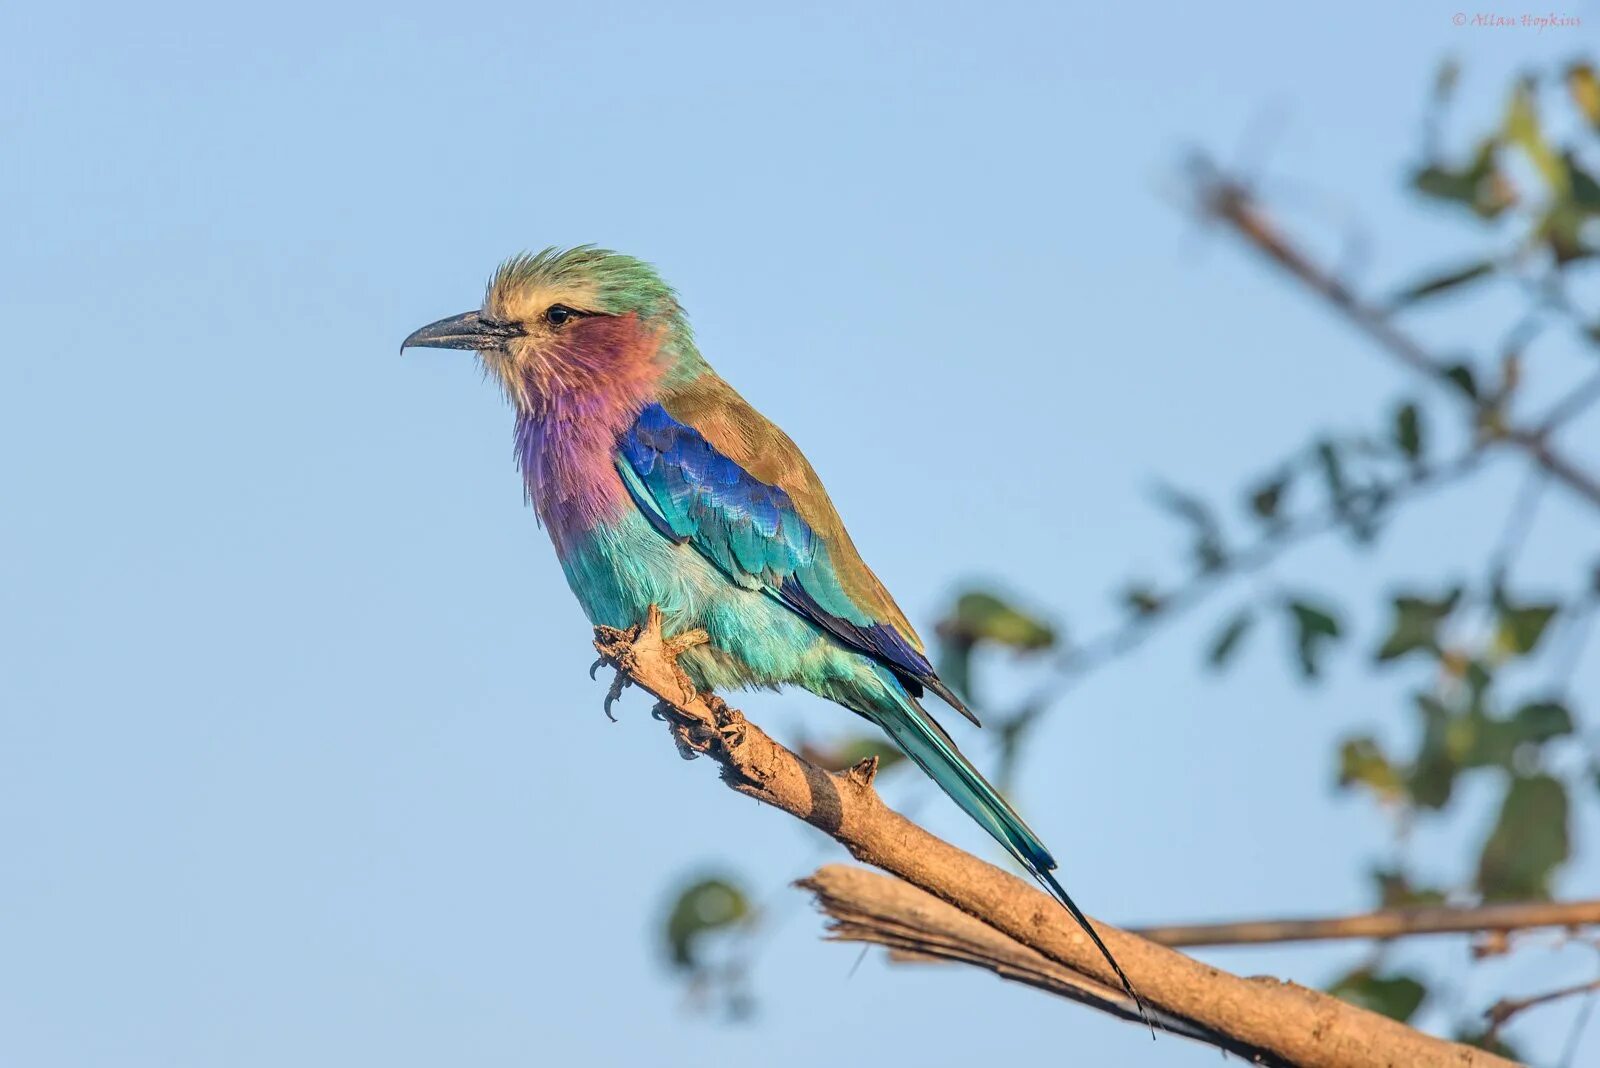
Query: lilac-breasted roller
{"x":660,"y":485}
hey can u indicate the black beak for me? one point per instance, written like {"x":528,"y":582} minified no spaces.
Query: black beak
{"x":469,"y":330}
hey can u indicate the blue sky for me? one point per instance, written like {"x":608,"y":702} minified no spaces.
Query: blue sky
{"x":298,"y":759}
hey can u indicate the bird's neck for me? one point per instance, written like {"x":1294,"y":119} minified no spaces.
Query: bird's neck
{"x":566,"y":443}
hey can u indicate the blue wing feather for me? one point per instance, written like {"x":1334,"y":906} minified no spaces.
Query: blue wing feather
{"x":752,"y":531}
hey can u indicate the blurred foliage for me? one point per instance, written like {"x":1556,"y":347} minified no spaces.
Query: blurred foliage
{"x":982,"y":619}
{"x":703,"y":914}
{"x":1482,"y":695}
{"x":1395,"y":996}
{"x":850,"y":751}
{"x":1485,"y":1038}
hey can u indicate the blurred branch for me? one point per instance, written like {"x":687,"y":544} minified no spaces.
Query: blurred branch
{"x":1504,"y":1009}
{"x":1388,"y":923}
{"x":1286,"y":1022}
{"x":1112,"y":644}
{"x":1228,"y":200}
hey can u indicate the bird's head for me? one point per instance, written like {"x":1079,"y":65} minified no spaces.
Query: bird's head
{"x":561,"y":324}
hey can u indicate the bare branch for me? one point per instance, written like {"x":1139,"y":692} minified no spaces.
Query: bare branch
{"x":915,"y":926}
{"x":1294,"y":1025}
{"x":1229,"y":201}
{"x":1389,"y":923}
{"x":1502,"y":1011}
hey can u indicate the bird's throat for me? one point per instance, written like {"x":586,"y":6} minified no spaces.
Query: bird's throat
{"x":567,"y":455}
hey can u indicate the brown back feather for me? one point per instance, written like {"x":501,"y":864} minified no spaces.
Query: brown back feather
{"x":756,"y":444}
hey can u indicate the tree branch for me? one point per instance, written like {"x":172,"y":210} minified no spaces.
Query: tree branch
{"x":1079,"y":660}
{"x":1389,"y":923}
{"x":1502,"y":1010}
{"x":1229,"y":201}
{"x":914,"y":926}
{"x":1287,"y":1022}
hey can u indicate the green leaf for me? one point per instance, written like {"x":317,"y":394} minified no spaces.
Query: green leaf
{"x":1432,"y":775}
{"x":1521,"y":626}
{"x":1395,"y":891}
{"x":1585,"y":190}
{"x":1480,"y":742}
{"x":1316,"y":628}
{"x":1584,"y":89}
{"x":1332,"y":471}
{"x":1416,"y":624}
{"x":1209,"y":553}
{"x":1539,"y":721}
{"x":1227,"y":640}
{"x":1266,"y":500}
{"x":703,"y":907}
{"x":1408,"y":431}
{"x":953,"y":659}
{"x":1142,"y":600}
{"x":1528,"y":843}
{"x":1462,"y":377}
{"x":1480,"y":186}
{"x":852,"y":751}
{"x":1357,"y":507}
{"x":1522,"y":128}
{"x":1479,"y":678}
{"x":980,"y":616}
{"x":1486,"y":1039}
{"x":848,"y":752}
{"x":1362,"y":761}
{"x":1443,"y":282}
{"x":1562,"y":228}
{"x":1395,"y":996}
{"x":1445,"y":184}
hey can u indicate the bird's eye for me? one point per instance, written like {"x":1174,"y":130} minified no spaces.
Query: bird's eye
{"x":557,"y":314}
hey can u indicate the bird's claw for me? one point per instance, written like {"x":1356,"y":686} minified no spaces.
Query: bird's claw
{"x":695,"y":736}
{"x":619,"y":683}
{"x":608,"y":640}
{"x":730,"y":722}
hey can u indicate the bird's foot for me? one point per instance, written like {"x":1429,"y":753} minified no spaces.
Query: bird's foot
{"x":730,"y":722}
{"x":687,"y":734}
{"x":618,"y":648}
{"x":697,"y":736}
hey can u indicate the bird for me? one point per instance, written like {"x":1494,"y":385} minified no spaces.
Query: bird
{"x":662,"y":488}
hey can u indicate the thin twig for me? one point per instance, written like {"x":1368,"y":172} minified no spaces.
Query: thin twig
{"x":1084,"y":658}
{"x":1387,"y":923}
{"x":1227,"y":200}
{"x":1576,"y":1034}
{"x":1571,"y":406}
{"x":1506,"y":1008}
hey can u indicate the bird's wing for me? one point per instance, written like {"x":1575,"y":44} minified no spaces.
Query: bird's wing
{"x":707,"y":469}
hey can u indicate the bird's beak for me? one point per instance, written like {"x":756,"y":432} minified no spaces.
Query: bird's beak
{"x":469,"y":330}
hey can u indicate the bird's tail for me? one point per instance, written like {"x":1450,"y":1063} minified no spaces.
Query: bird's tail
{"x":921,"y":738}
